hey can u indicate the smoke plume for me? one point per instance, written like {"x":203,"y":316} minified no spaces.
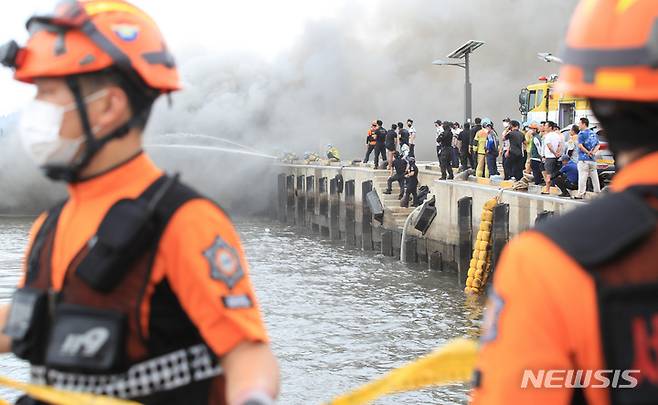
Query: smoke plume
{"x":372,"y":61}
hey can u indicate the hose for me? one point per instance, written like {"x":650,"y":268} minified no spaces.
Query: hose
{"x":403,"y":250}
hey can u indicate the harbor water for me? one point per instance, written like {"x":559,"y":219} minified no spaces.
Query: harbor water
{"x":337,"y":317}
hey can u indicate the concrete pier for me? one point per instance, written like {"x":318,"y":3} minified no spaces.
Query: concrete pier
{"x":332,"y":200}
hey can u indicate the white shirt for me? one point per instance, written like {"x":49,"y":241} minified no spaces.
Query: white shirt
{"x":412,"y":135}
{"x":554,"y":139}
{"x":439,"y":131}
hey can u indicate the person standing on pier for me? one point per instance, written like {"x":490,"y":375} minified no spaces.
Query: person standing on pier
{"x":552,"y":152}
{"x":514,"y":161}
{"x":444,"y":141}
{"x":481,"y":141}
{"x":588,"y":147}
{"x":391,"y":145}
{"x":136,"y":286}
{"x":491,"y":148}
{"x":572,"y":312}
{"x":371,"y":142}
{"x":412,"y":137}
{"x":477,"y":126}
{"x":380,"y":147}
{"x":464,"y":143}
{"x":404,"y":134}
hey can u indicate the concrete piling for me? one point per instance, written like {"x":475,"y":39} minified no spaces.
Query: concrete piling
{"x":366,"y":222}
{"x":410,"y":250}
{"x":323,"y":206}
{"x":350,"y":214}
{"x":281,"y":193}
{"x":310,"y":197}
{"x":465,"y":228}
{"x":436,"y":261}
{"x":334,"y":210}
{"x":499,"y":231}
{"x":387,"y":243}
{"x":300,"y":202}
{"x":290,"y":199}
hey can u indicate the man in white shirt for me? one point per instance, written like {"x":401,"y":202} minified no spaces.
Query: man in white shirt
{"x":553,"y":147}
{"x":412,"y":137}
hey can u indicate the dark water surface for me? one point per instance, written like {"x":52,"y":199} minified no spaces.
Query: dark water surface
{"x":337,"y":317}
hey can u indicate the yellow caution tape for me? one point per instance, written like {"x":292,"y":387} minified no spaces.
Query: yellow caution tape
{"x":450,"y":364}
{"x":60,"y":397}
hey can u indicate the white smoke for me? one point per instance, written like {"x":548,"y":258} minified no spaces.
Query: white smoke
{"x":371,"y":61}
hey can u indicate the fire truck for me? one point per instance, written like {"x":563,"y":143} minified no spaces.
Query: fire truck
{"x":541,"y":102}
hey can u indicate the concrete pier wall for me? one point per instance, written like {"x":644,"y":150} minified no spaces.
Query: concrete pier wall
{"x":331,"y":200}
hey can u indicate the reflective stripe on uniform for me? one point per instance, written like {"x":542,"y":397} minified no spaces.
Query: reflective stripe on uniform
{"x":162,"y":373}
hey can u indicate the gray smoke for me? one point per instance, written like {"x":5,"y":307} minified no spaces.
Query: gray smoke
{"x":367,"y":63}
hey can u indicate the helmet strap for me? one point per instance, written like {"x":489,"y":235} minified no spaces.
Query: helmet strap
{"x":71,"y":173}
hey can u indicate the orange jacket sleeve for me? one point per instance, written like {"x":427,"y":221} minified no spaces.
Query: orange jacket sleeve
{"x":524,"y":329}
{"x":208,"y":272}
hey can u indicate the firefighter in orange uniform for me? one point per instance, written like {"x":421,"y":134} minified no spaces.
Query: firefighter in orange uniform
{"x":136,"y":286}
{"x":576,"y":299}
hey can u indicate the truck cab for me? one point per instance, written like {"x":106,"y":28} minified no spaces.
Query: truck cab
{"x":540,"y":102}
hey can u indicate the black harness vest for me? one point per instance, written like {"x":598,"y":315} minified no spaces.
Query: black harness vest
{"x":615,"y":239}
{"x":88,"y":336}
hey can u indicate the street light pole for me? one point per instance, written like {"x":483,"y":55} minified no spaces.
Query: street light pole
{"x":464,"y":52}
{"x":468,"y":90}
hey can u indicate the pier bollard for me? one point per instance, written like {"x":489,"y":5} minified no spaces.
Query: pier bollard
{"x":281,"y":206}
{"x":350,"y":217}
{"x":387,"y":243}
{"x":499,"y":232}
{"x":334,"y":210}
{"x":290,"y":196}
{"x":465,"y":227}
{"x":543,"y":216}
{"x":366,"y":222}
{"x":300,"y":205}
{"x":310,"y":201}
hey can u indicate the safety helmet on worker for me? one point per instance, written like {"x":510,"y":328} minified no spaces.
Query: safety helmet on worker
{"x":611,"y":51}
{"x":85,"y":36}
{"x":107,"y":37}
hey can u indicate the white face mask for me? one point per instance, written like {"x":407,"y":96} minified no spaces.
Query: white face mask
{"x":39,"y":127}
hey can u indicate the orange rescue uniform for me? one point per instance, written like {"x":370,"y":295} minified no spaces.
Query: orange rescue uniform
{"x":180,"y":259}
{"x":543,"y":314}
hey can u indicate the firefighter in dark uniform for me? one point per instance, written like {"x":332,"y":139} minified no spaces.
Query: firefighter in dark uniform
{"x":578,"y":296}
{"x":136,"y":286}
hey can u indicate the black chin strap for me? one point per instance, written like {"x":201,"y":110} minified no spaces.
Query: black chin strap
{"x":71,"y":173}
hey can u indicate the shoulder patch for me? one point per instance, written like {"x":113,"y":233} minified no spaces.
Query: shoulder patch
{"x":237,"y":301}
{"x":495,"y":306}
{"x":224,"y":263}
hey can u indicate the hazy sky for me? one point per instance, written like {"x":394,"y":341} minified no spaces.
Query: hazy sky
{"x":264,"y":27}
